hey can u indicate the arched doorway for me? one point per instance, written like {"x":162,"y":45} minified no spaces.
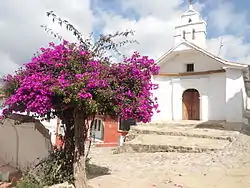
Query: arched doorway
{"x":191,"y":105}
{"x":97,"y":129}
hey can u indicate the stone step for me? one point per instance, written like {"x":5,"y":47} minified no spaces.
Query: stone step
{"x":165,"y":143}
{"x":182,"y":131}
{"x":212,"y":124}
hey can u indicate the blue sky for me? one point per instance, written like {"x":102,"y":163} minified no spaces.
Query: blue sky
{"x":152,"y":20}
{"x":239,"y":6}
{"x":227,"y":21}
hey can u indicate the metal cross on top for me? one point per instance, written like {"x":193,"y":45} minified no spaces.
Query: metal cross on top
{"x":190,"y":2}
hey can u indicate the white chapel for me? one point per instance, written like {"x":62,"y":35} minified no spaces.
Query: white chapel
{"x":195,"y":84}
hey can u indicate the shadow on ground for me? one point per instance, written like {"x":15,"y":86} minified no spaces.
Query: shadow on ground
{"x":222,"y":125}
{"x":94,"y":171}
{"x":208,"y":125}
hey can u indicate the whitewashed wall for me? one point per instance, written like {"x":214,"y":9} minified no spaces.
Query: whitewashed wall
{"x":200,"y":33}
{"x":178,"y":63}
{"x":50,"y":125}
{"x":24,"y":144}
{"x":236,"y":97}
{"x":212,"y":96}
{"x":197,"y":23}
{"x":248,"y":103}
{"x":212,"y":87}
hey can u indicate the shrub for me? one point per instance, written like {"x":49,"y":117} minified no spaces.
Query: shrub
{"x":56,"y":168}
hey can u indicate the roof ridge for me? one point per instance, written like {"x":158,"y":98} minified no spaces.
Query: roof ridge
{"x":206,"y":52}
{"x":219,"y":56}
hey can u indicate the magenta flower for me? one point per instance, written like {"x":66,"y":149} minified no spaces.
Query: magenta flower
{"x":66,"y":75}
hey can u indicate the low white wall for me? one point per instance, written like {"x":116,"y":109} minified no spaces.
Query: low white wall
{"x":248,"y":103}
{"x":23,"y":144}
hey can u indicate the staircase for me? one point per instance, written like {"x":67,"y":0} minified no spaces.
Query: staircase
{"x":183,"y":137}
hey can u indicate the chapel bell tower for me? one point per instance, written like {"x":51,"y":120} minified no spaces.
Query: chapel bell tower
{"x":191,"y":28}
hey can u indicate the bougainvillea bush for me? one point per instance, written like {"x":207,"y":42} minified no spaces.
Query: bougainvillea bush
{"x":65,"y":76}
{"x":76,"y":85}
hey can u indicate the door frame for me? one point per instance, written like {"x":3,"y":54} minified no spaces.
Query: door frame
{"x":97,"y":128}
{"x":198,"y":101}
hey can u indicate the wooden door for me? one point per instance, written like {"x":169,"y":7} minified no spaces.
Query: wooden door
{"x":191,"y":105}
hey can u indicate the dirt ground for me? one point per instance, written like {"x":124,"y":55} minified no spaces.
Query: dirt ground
{"x":228,"y":168}
{"x":5,"y":185}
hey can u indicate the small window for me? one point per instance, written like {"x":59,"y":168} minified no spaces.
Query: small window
{"x":94,"y":125}
{"x":99,"y":125}
{"x":190,"y":67}
{"x":190,"y":20}
{"x":97,"y":129}
{"x":184,"y":34}
{"x":124,"y":125}
{"x":193,"y":34}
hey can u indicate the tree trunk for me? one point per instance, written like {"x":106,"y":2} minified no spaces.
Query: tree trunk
{"x":80,"y":174}
{"x":69,"y":144}
{"x":68,"y":120}
{"x":79,"y":158}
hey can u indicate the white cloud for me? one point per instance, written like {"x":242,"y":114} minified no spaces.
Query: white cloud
{"x":160,"y":9}
{"x":224,"y":17}
{"x":154,"y":28}
{"x":226,"y":20}
{"x":8,"y":66}
{"x":232,"y":48}
{"x":21,"y":35}
{"x":20,"y":32}
{"x":154,"y":35}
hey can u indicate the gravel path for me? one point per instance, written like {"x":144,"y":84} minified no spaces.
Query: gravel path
{"x":229,"y":168}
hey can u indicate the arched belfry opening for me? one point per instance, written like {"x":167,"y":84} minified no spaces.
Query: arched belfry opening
{"x":194,"y":26}
{"x":191,"y":105}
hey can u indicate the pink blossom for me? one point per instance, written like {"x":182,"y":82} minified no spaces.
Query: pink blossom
{"x":65,"y":74}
